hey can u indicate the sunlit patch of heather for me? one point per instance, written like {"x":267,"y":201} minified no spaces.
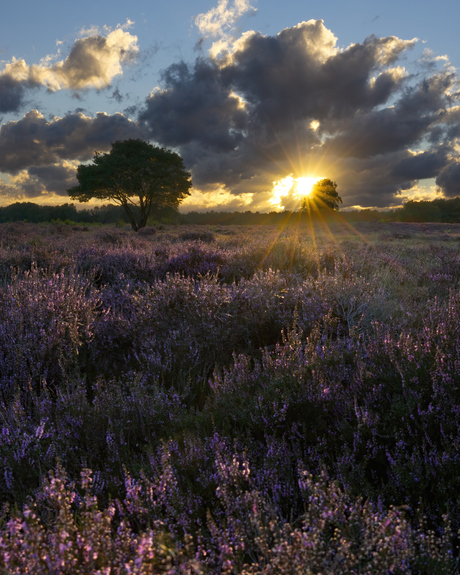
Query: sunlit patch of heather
{"x":202,"y":322}
{"x":64,"y":531}
{"x":354,"y":299}
{"x":293,"y":258}
{"x":300,"y":384}
{"x":337,"y":533}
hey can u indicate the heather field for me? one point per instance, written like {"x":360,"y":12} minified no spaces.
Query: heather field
{"x":230,"y":399}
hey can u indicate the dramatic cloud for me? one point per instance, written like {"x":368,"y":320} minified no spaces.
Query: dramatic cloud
{"x":449,"y":179}
{"x":56,"y":178}
{"x":42,"y":181}
{"x":295,"y":103}
{"x":196,"y":107}
{"x":41,"y":155}
{"x":92,"y":62}
{"x":423,"y":165}
{"x":253,"y":111}
{"x":9,"y":191}
{"x":35,"y":141}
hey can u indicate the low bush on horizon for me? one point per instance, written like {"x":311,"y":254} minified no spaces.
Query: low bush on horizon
{"x":197,"y":401}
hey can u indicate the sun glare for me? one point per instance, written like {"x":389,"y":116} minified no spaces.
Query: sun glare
{"x":289,"y":189}
{"x":305,"y":185}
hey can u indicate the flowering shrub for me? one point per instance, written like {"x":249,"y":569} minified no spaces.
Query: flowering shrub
{"x":204,"y":236}
{"x":64,"y":531}
{"x":274,"y":402}
{"x":193,"y":262}
{"x":46,"y":322}
{"x":108,"y":265}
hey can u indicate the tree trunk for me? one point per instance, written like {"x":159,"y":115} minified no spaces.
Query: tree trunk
{"x":132,"y":219}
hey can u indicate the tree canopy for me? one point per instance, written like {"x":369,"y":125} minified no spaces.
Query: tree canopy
{"x":323,"y":195}
{"x":136,"y":175}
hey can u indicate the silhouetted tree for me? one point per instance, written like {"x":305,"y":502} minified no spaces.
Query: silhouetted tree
{"x":135,"y":175}
{"x":323,"y":195}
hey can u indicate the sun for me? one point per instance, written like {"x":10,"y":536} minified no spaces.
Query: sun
{"x":289,"y":191}
{"x":305,"y":185}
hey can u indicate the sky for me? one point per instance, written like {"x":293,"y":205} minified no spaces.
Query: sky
{"x":255,"y":96}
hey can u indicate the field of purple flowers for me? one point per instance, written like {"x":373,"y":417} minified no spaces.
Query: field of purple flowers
{"x":230,"y":399}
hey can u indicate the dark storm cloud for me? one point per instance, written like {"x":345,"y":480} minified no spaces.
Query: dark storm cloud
{"x":195,"y":106}
{"x":373,"y":181}
{"x":297,"y":74}
{"x":57,"y":179}
{"x":379,"y":132}
{"x":296,"y":103}
{"x":422,"y":166}
{"x":35,"y":141}
{"x":293,"y":76}
{"x":41,"y":155}
{"x":411,"y":119}
{"x":449,"y":179}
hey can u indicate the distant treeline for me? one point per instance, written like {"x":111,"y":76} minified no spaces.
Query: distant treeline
{"x":68,"y":213}
{"x":274,"y":218}
{"x":34,"y":213}
{"x":439,"y":210}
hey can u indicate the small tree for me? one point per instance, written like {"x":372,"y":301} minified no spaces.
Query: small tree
{"x":135,"y":175}
{"x":323,"y":195}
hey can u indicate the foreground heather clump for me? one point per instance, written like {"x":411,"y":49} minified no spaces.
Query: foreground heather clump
{"x":64,"y":531}
{"x":261,"y":401}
